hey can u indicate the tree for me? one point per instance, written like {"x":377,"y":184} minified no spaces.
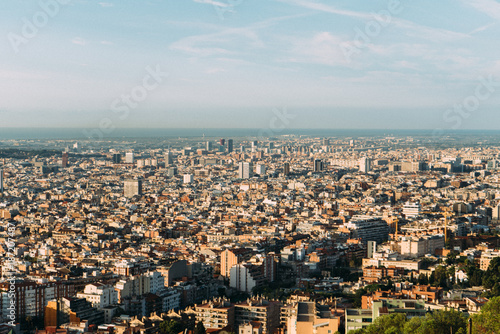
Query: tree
{"x":390,"y":324}
{"x":200,"y":328}
{"x":422,"y":279}
{"x":171,"y":327}
{"x":438,"y":322}
{"x":488,"y":319}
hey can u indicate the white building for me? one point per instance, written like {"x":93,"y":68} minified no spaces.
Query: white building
{"x":244,"y":277}
{"x":100,"y":295}
{"x":365,"y":165}
{"x":260,"y":169}
{"x":129,"y":158}
{"x":412,"y":210}
{"x":245,"y":170}
{"x":188,"y":178}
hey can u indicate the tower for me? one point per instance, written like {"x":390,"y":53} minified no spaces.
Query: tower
{"x":129,"y":158}
{"x":132,"y":188}
{"x":364,"y":165}
{"x":1,"y":180}
{"x":286,"y":168}
{"x":245,"y":170}
{"x":229,"y":145}
{"x":168,"y":158}
{"x":318,"y":165}
{"x":65,"y":156}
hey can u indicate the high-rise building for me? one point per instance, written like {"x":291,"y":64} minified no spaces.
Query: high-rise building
{"x":371,"y":248}
{"x":1,"y":180}
{"x":286,"y":168}
{"x":172,"y":171}
{"x":365,"y":165}
{"x":65,"y":157}
{"x":326,"y":141}
{"x":209,"y":145}
{"x":188,"y":178}
{"x":129,"y":157}
{"x":229,"y":145}
{"x":117,"y":158}
{"x":168,"y":158}
{"x":232,"y":257}
{"x":222,"y":142}
{"x":132,"y":188}
{"x":318,"y":165}
{"x":245,"y":170}
{"x":261,"y":169}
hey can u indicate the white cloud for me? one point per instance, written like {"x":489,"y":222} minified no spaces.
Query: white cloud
{"x":79,"y":41}
{"x":488,"y":7}
{"x":212,"y":2}
{"x":106,"y":4}
{"x":327,"y":9}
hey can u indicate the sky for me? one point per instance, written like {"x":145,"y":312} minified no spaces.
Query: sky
{"x":250,"y":64}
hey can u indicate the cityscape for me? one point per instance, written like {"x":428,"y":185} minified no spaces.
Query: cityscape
{"x":249,"y":167}
{"x":292,"y":234}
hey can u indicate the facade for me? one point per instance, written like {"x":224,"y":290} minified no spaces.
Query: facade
{"x":129,"y":158}
{"x":318,"y":166}
{"x":215,"y":314}
{"x":419,"y":246}
{"x":245,"y":277}
{"x":366,"y":228}
{"x":99,"y":295}
{"x":310,"y":318}
{"x":266,"y":312}
{"x":245,"y":170}
{"x":132,"y":188}
{"x":72,"y":310}
{"x":188,"y":178}
{"x":365,"y":165}
{"x":232,"y":257}
{"x":412,"y":210}
{"x":260,"y":169}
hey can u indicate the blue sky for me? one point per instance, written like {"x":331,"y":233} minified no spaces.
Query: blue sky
{"x":230,"y":62}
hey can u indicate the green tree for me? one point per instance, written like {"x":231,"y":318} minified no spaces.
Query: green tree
{"x":200,"y":328}
{"x":171,"y":327}
{"x":389,"y":324}
{"x":438,"y":322}
{"x":488,"y":319}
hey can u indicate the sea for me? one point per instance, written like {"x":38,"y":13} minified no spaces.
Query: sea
{"x":123,"y":133}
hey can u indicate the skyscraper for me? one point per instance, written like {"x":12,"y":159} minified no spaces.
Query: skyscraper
{"x":65,"y":156}
{"x":129,"y":158}
{"x":117,"y":158}
{"x":318,"y":165}
{"x":132,"y":188}
{"x":188,"y":178}
{"x":209,"y":145}
{"x":1,"y":180}
{"x":245,"y":170}
{"x":222,"y":142}
{"x":286,"y":168}
{"x":365,"y":165}
{"x":229,"y":145}
{"x":261,"y":169}
{"x":168,"y":158}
